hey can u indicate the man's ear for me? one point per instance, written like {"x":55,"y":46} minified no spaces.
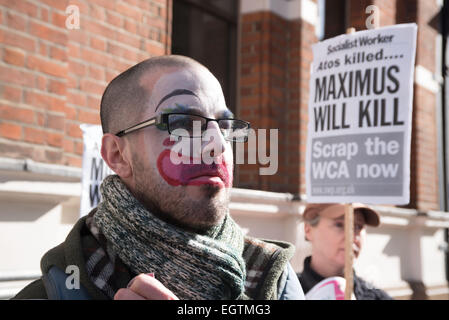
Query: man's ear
{"x":113,"y":153}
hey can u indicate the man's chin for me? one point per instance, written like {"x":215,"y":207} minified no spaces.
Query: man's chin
{"x":206,"y":191}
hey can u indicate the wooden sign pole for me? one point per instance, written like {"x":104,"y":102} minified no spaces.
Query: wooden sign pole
{"x":349,"y":238}
{"x":349,"y":252}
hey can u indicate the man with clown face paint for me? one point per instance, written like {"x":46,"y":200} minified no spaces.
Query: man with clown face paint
{"x":163,"y":229}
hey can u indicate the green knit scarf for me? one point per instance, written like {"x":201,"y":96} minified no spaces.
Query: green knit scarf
{"x":192,"y":266}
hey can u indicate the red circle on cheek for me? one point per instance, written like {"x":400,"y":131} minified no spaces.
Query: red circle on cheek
{"x":160,"y":161}
{"x":168,"y":143}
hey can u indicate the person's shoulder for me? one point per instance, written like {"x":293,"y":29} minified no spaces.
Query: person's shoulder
{"x":35,"y":290}
{"x":268,"y":244}
{"x":292,"y":289}
{"x":55,"y":257}
{"x":274,"y":253}
{"x":71,"y":247}
{"x":299,"y":276}
{"x":364,"y":290}
{"x":266,"y":261}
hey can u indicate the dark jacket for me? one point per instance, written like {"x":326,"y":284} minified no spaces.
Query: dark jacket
{"x":279,"y":276}
{"x":362,"y":290}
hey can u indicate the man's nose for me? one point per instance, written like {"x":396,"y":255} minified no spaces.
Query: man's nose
{"x":213,"y":141}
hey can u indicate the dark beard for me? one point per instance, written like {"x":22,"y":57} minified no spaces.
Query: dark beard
{"x":172,"y":205}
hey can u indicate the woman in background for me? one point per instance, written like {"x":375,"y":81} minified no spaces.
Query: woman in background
{"x":324,"y":228}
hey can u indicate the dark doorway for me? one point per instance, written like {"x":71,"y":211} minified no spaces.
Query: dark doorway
{"x":206,"y":30}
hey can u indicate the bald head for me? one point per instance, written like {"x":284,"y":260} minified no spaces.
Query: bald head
{"x":127,"y":95}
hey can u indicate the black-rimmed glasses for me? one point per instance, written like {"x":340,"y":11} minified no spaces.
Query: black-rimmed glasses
{"x":185,"y":125}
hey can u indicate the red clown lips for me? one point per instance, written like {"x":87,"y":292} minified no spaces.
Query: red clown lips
{"x":193,"y":174}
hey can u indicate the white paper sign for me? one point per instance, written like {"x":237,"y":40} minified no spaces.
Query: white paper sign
{"x":360,"y":117}
{"x":332,"y":288}
{"x":94,"y":168}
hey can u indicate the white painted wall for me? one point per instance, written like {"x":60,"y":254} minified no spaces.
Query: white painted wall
{"x":39,"y":215}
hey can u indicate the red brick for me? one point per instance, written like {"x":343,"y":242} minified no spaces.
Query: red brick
{"x":92,"y":87}
{"x":42,"y":48}
{"x":93,"y":102}
{"x":108,"y":4}
{"x":47,"y":66}
{"x":96,"y":57}
{"x":51,"y":34}
{"x":68,"y":146}
{"x":77,"y":68}
{"x":79,"y":147}
{"x":72,"y":81}
{"x":23,"y":6}
{"x":130,"y":26}
{"x":97,"y":13}
{"x":70,"y":112}
{"x":56,"y":122}
{"x":57,"y":104}
{"x":15,"y":21}
{"x":54,"y":139}
{"x":89,"y":117}
{"x":155,"y":49}
{"x":10,"y":131}
{"x":74,"y":130}
{"x":123,"y":52}
{"x":74,"y":161}
{"x":16,"y":114}
{"x":57,"y":87}
{"x":79,"y":36}
{"x":58,"y":53}
{"x":40,"y":99}
{"x":77,"y":98}
{"x":11,"y":93}
{"x":126,"y":38}
{"x":56,"y":4}
{"x":41,"y":83}
{"x":52,"y":156}
{"x":97,"y":43}
{"x":110,"y":75}
{"x":45,"y":14}
{"x":34,"y":135}
{"x":18,"y":40}
{"x":35,"y":39}
{"x":96,"y":73}
{"x":114,"y":19}
{"x":129,"y":11}
{"x":14,"y":56}
{"x":40,"y":118}
{"x":58,"y":19}
{"x":82,"y":5}
{"x":99,"y":29}
{"x":19,"y":77}
{"x":73,"y":50}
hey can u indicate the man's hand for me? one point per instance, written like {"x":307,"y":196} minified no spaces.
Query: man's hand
{"x":145,"y":287}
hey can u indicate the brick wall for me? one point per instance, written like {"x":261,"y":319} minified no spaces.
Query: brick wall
{"x":424,"y":157}
{"x":52,"y":77}
{"x":262,"y":83}
{"x":274,"y":79}
{"x":424,"y":139}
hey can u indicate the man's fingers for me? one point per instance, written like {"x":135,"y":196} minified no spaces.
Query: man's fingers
{"x":150,"y":288}
{"x":127,"y":294}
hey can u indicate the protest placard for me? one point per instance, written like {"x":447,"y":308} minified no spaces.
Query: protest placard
{"x":94,"y":168}
{"x":360,"y":112}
